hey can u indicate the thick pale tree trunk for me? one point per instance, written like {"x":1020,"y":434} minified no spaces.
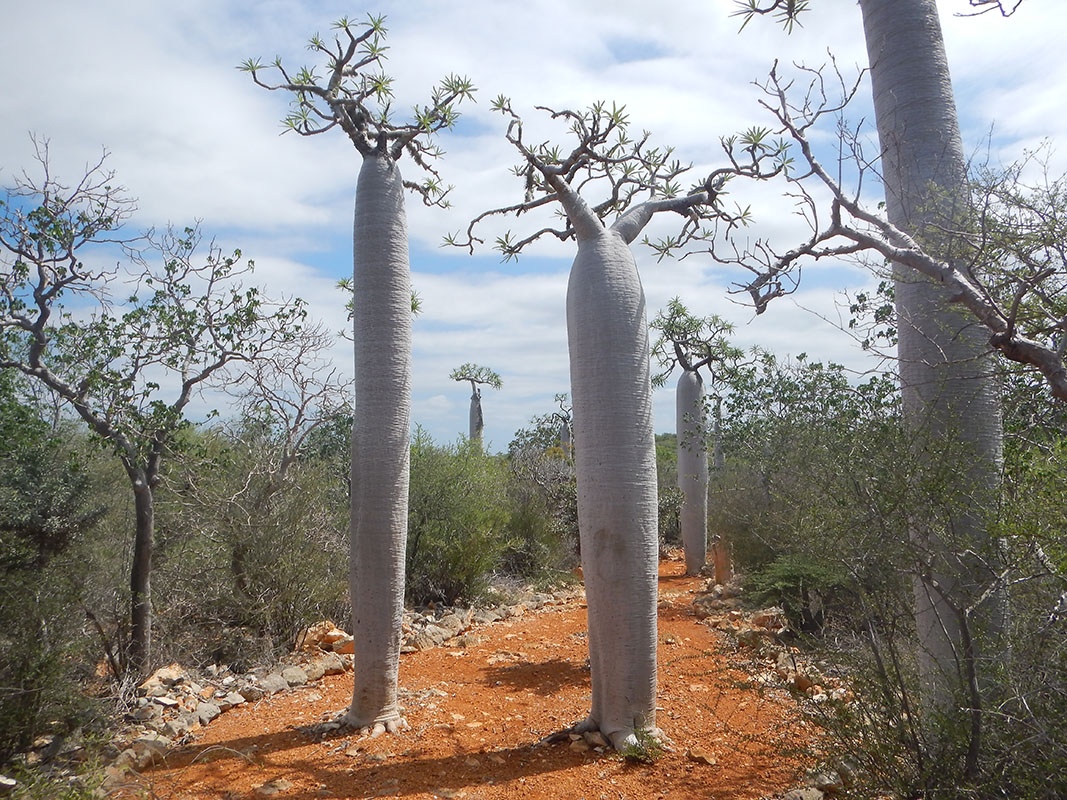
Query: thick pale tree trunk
{"x":950,"y":392}
{"x":140,"y":649}
{"x":692,"y":469}
{"x":380,"y":440}
{"x":616,"y":473}
{"x":477,"y":421}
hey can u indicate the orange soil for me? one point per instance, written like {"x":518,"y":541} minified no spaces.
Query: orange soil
{"x":477,"y":715}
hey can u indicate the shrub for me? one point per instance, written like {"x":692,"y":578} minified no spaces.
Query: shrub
{"x":457,"y":521}
{"x":45,"y":512}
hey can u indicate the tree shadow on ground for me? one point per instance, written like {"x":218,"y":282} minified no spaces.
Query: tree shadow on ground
{"x":363,"y":775}
{"x":543,"y":678}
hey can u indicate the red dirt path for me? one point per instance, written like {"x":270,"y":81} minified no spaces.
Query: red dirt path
{"x":477,"y":715}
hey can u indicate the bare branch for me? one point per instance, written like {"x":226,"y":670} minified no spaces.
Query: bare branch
{"x":632,"y":179}
{"x":1006,"y":264}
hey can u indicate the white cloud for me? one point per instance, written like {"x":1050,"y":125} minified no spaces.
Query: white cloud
{"x":192,"y":137}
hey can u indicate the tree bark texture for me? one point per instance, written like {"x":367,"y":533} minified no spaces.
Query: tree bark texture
{"x":949,"y":389}
{"x":380,"y":439}
{"x":476,"y":422}
{"x":616,"y":474}
{"x":692,"y":469}
{"x":140,"y":649}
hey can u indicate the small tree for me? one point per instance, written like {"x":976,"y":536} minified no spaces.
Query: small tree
{"x":352,"y":97}
{"x":285,"y":400}
{"x":478,"y":376}
{"x":692,"y":343}
{"x":610,"y":381}
{"x":114,"y":357}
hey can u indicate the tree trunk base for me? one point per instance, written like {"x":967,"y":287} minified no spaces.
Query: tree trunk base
{"x":641,"y":745}
{"x":391,"y":722}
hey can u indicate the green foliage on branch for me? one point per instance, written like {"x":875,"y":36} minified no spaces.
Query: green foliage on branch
{"x":354,"y":93}
{"x":476,"y":375}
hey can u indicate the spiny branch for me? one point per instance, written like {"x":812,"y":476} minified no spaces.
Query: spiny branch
{"x":360,"y":101}
{"x":634,"y":180}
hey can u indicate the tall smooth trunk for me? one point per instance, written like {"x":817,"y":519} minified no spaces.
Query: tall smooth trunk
{"x":476,"y":421}
{"x":140,"y":649}
{"x":950,"y":394}
{"x":692,"y":469}
{"x":380,"y":440}
{"x":616,"y":474}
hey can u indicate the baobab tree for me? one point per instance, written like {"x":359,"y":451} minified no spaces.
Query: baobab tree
{"x":610,"y":375}
{"x":478,"y":377}
{"x":692,"y":343}
{"x":355,"y":99}
{"x":966,"y":286}
{"x":127,"y":364}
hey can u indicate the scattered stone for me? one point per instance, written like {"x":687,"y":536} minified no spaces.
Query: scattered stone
{"x":848,"y":771}
{"x":706,"y":606}
{"x":454,"y":623}
{"x":145,"y":713}
{"x":755,"y":638}
{"x":580,"y":746}
{"x":274,"y":788}
{"x":145,"y":751}
{"x":319,"y":636}
{"x":253,"y":692}
{"x":166,"y":701}
{"x":772,"y":619}
{"x":428,"y":638}
{"x":498,"y":760}
{"x":314,"y":670}
{"x":595,"y":739}
{"x":7,"y":785}
{"x":805,"y":793}
{"x":467,"y":640}
{"x":230,"y":700}
{"x":181,"y":725}
{"x":346,"y":646}
{"x":701,"y":757}
{"x":828,"y":782}
{"x":271,"y":684}
{"x":206,"y":712}
{"x":294,"y":676}
{"x":332,"y":664}
{"x":170,"y":675}
{"x":484,"y":616}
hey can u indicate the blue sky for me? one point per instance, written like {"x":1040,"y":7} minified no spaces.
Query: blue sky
{"x":192,"y":138}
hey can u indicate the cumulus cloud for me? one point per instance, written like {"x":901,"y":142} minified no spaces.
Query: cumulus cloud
{"x":192,"y":138}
